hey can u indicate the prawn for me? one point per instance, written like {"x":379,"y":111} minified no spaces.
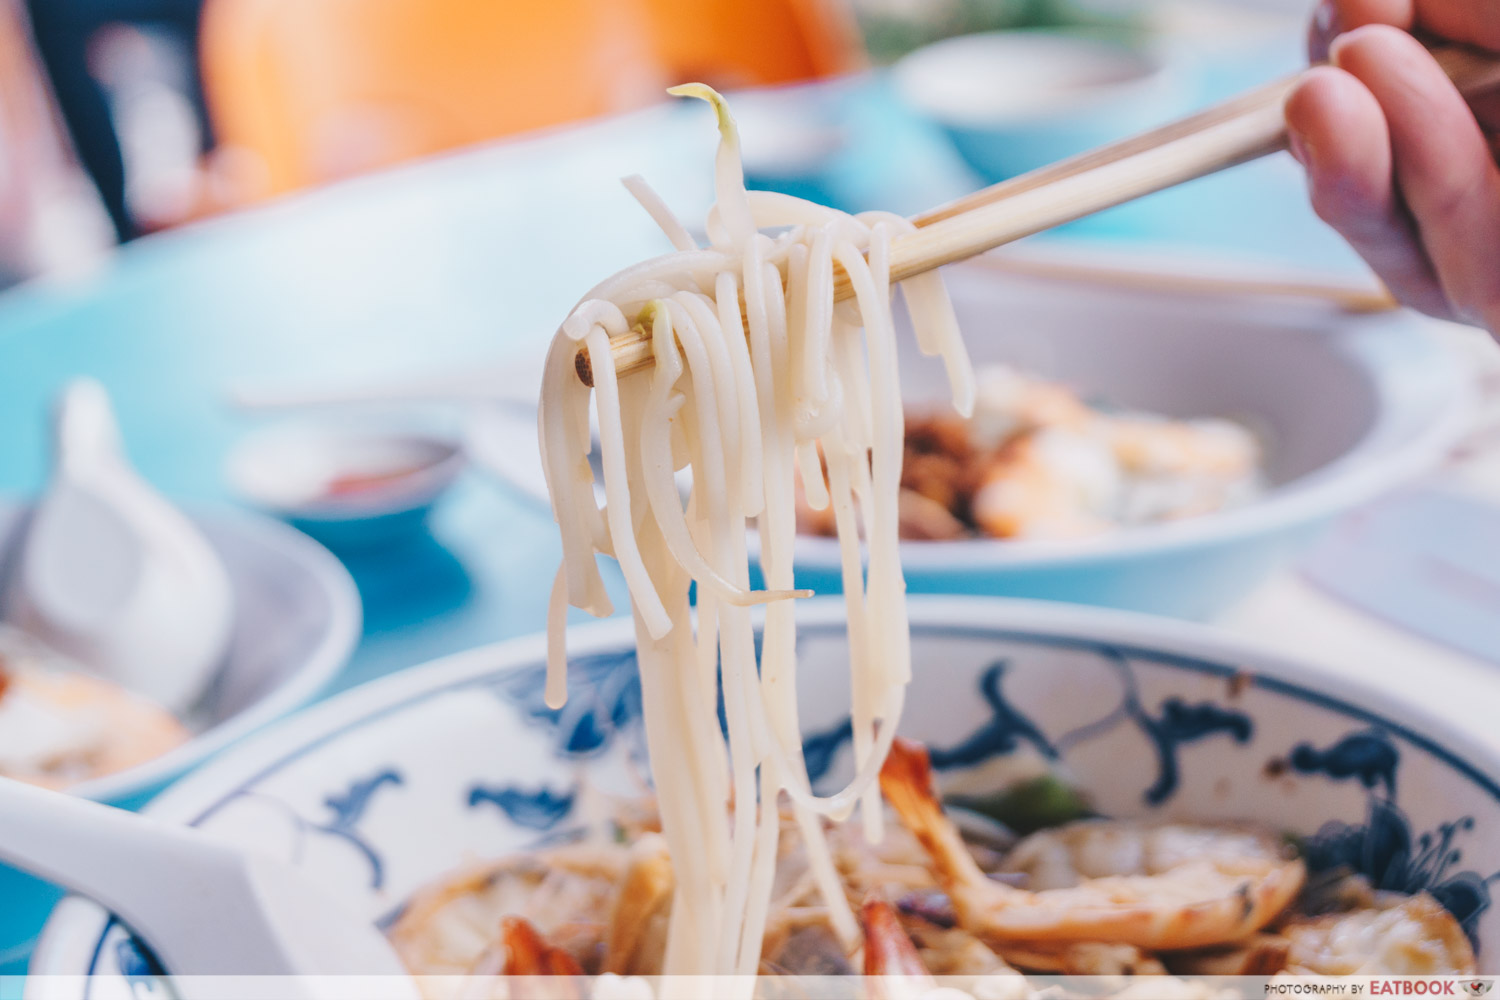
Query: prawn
{"x":531,"y":966}
{"x":1185,"y":887}
{"x":528,"y":954}
{"x":73,"y":727}
{"x":445,"y":929}
{"x":1416,"y":937}
{"x":637,"y":928}
{"x":893,"y":968}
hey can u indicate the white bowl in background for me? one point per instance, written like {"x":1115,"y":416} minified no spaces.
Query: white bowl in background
{"x":388,"y":787}
{"x":1349,"y":407}
{"x":1013,"y":101}
{"x":793,"y":131}
{"x":1230,"y":46}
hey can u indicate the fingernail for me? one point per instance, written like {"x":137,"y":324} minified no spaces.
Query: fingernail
{"x":1299,"y":148}
{"x":1345,"y":41}
{"x":1326,"y":26}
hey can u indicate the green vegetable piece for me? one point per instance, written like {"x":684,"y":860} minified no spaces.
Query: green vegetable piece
{"x":1032,"y":805}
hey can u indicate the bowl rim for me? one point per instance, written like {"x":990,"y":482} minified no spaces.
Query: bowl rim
{"x":1172,"y":638}
{"x":340,"y":637}
{"x":202,"y":791}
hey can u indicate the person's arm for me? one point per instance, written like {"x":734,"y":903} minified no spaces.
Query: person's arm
{"x":1397,"y":162}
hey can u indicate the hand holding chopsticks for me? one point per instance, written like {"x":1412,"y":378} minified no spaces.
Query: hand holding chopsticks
{"x":1246,"y":128}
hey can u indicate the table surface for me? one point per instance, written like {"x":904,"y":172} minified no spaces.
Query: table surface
{"x":469,"y":260}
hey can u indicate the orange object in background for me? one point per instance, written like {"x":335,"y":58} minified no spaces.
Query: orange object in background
{"x":753,"y":43}
{"x":308,"y":91}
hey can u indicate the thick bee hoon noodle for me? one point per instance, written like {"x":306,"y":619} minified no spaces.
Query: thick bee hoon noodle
{"x":760,"y":378}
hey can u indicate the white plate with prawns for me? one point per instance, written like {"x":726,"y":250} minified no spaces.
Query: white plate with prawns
{"x":1101,"y":792}
{"x":297,"y":619}
{"x":1145,"y":446}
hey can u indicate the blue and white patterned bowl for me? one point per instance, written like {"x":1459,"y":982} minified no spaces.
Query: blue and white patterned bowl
{"x":379,"y":791}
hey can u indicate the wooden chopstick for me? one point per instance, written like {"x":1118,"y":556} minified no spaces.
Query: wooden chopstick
{"x":1253,"y":102}
{"x":1240,"y":130}
{"x":1349,"y":298}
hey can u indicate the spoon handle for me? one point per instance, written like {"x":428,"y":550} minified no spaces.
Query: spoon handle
{"x":205,"y":908}
{"x":169,"y":884}
{"x":487,"y":385}
{"x":86,"y":435}
{"x":112,"y":856}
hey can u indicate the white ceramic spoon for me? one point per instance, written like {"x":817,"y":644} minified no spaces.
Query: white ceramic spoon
{"x":111,"y":574}
{"x":205,"y":908}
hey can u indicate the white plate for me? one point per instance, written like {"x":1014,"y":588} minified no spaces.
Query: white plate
{"x":296,"y":620}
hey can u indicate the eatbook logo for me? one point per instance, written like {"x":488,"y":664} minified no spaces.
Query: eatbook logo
{"x":1478,"y":987}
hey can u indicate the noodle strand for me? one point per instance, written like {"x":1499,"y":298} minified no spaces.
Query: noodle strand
{"x":760,"y":380}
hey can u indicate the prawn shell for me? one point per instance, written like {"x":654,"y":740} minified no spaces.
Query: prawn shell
{"x":1247,"y":908}
{"x":1201,"y":902}
{"x":888,"y":949}
{"x":426,"y":934}
{"x":1416,"y":937}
